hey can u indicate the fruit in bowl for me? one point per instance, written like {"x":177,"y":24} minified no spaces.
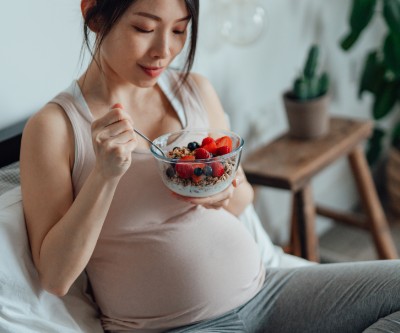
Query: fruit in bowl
{"x":198,"y":162}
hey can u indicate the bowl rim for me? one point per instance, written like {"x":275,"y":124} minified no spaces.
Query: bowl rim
{"x":188,"y":130}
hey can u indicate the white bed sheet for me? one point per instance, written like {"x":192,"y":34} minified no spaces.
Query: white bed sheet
{"x":24,"y":306}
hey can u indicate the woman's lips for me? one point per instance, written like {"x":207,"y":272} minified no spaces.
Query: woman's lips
{"x":152,"y":71}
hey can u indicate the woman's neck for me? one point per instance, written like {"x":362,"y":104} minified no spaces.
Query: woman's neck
{"x":101,"y":90}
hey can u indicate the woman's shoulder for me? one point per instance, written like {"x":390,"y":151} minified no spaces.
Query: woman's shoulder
{"x":199,"y":85}
{"x":210,"y":100}
{"x":48,"y":129}
{"x":202,"y":83}
{"x":51,"y":117}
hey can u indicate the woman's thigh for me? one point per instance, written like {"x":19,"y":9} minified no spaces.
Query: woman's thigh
{"x":325,"y":298}
{"x":388,"y":324}
{"x":227,"y":323}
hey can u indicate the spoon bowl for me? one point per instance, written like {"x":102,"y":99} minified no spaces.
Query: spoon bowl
{"x":149,"y":141}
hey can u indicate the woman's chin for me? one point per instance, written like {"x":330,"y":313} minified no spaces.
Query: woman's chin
{"x":146,"y":83}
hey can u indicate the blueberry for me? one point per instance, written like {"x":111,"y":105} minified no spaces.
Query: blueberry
{"x":170,"y":172}
{"x":208,"y":170}
{"x":193,"y":145}
{"x":198,"y":171}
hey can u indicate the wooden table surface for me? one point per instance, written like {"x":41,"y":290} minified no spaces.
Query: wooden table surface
{"x":288,"y":163}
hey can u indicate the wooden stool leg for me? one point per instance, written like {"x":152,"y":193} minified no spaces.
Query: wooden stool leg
{"x":376,"y":218}
{"x":295,"y":247}
{"x":305,"y":209}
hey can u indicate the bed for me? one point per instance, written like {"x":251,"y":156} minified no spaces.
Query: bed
{"x":24,"y":306}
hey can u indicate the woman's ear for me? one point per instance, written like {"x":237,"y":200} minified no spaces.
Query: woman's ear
{"x":86,"y":5}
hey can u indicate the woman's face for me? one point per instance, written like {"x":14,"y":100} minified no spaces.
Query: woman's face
{"x":147,"y":38}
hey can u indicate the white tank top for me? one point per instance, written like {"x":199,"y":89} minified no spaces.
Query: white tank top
{"x":161,"y":262}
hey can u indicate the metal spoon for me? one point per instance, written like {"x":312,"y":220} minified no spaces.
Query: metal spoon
{"x":149,"y":141}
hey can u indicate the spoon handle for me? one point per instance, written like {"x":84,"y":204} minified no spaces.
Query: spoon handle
{"x":149,"y":141}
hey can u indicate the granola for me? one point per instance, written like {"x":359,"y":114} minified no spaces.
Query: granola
{"x":201,"y":169}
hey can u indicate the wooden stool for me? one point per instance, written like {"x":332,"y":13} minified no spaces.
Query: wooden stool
{"x":290,"y":164}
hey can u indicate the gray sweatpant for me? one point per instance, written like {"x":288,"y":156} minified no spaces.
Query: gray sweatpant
{"x":338,"y":298}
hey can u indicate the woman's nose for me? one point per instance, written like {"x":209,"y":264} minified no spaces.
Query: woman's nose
{"x":161,"y":48}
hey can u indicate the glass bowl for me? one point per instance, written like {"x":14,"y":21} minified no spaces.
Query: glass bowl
{"x":200,"y":174}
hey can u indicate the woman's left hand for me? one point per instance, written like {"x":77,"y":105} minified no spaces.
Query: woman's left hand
{"x":217,"y":201}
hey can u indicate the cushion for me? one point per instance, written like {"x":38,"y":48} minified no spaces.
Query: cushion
{"x":24,"y":305}
{"x":9,"y":177}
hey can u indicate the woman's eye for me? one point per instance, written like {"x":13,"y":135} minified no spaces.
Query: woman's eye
{"x":143,"y":30}
{"x":179,"y":32}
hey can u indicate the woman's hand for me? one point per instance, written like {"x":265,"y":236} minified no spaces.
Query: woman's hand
{"x":217,"y":201}
{"x":113,"y":142}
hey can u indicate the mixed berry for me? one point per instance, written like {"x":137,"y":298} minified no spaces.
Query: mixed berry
{"x":207,"y":169}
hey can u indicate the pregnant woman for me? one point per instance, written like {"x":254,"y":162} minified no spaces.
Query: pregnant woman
{"x":156,"y":262}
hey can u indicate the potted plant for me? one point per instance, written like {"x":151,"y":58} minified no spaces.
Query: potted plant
{"x":381,"y":78}
{"x":307,"y":102}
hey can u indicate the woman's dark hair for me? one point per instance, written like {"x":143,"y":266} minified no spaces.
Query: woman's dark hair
{"x":105,"y":13}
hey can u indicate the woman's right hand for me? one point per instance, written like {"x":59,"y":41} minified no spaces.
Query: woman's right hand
{"x":113,"y":142}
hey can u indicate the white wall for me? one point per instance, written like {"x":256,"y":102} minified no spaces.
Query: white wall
{"x":39,"y":51}
{"x":250,"y":81}
{"x":39,"y":56}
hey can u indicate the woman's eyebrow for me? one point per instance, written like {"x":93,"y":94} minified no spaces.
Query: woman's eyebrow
{"x":156,"y":18}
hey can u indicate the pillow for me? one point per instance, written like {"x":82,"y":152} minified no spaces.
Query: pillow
{"x":24,"y":305}
{"x":9,"y":177}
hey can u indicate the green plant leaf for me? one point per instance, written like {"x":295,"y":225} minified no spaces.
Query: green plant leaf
{"x":374,"y":147}
{"x":301,"y":89}
{"x":324,"y":83}
{"x":398,"y":91}
{"x":391,"y":13}
{"x":310,"y":67}
{"x":396,"y":136}
{"x":348,"y":41}
{"x":361,"y":14}
{"x":391,"y":51}
{"x":385,"y":99}
{"x":373,"y":74}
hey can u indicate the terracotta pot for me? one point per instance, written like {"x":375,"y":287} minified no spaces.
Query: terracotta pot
{"x":393,"y":180}
{"x":307,"y":119}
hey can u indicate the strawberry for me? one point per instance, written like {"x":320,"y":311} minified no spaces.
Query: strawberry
{"x":197,"y":172}
{"x":223,"y":150}
{"x":198,"y":165}
{"x":201,"y":153}
{"x":224,"y":141}
{"x":210,"y":147}
{"x":207,"y":140}
{"x":196,"y":179}
{"x":187,"y":158}
{"x":209,"y":144}
{"x":185,"y":170}
{"x":217,"y":169}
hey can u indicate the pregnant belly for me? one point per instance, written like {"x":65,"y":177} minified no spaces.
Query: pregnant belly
{"x":191,"y":268}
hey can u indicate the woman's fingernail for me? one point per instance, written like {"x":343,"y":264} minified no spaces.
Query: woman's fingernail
{"x":117,"y":106}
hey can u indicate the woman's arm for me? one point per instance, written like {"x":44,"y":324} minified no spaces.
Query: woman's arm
{"x":63,"y":232}
{"x":238,"y":196}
